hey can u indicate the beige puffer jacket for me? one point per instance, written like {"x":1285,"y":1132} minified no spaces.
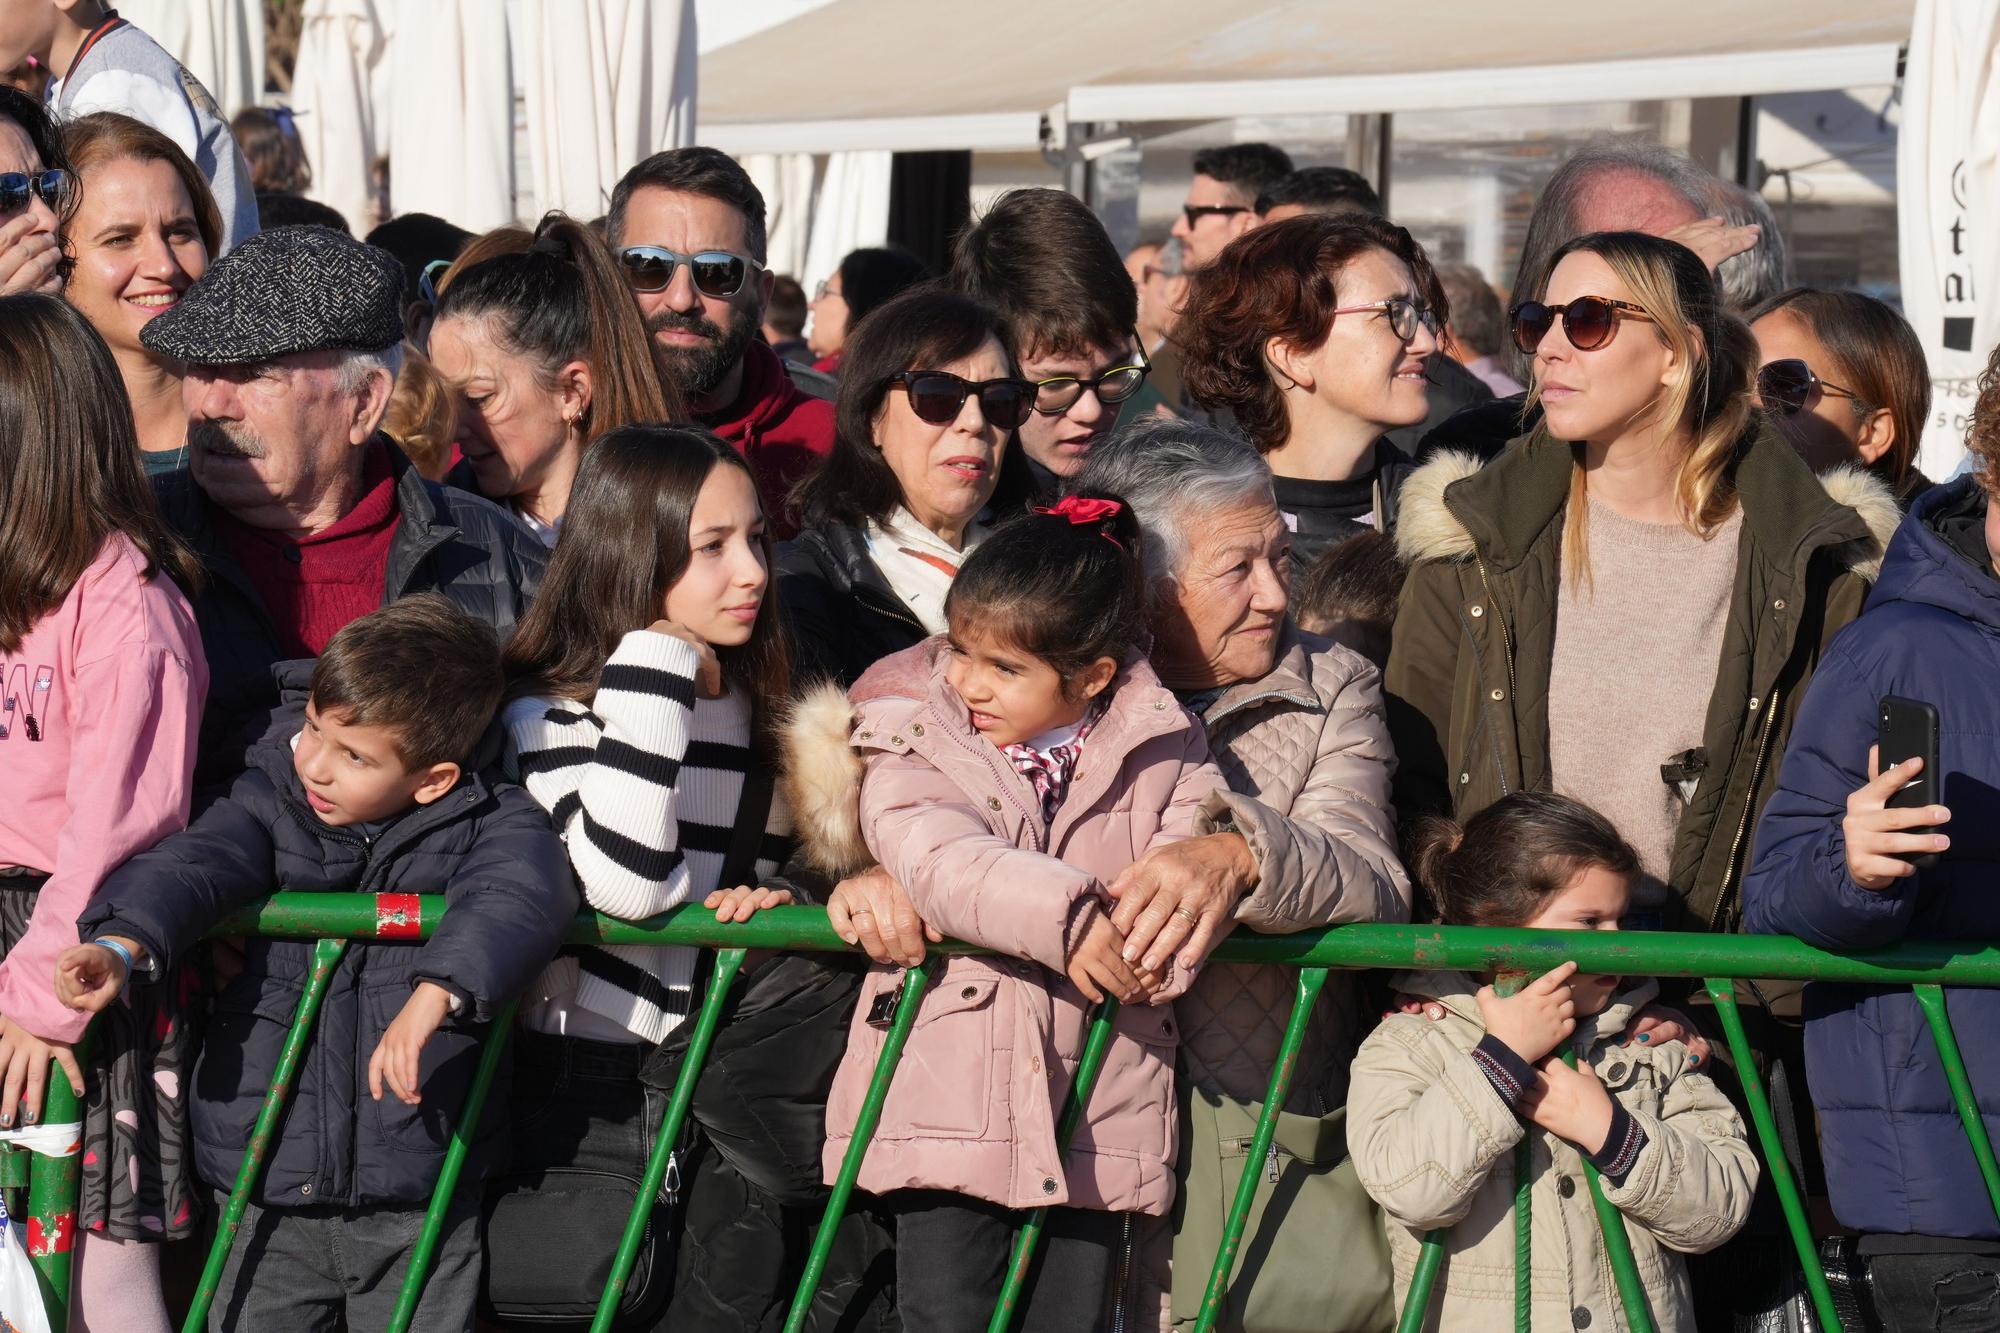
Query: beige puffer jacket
{"x":1434,"y":1145}
{"x":1305,"y":751}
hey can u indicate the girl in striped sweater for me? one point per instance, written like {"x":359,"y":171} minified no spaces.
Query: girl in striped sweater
{"x":642,"y":685}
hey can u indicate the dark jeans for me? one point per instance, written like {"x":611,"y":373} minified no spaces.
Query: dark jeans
{"x":952,"y":1253}
{"x":303,"y":1269}
{"x":1936,"y":1293}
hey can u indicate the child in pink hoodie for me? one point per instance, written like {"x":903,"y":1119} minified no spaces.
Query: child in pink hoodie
{"x":1012,"y":770}
{"x":101,"y":683}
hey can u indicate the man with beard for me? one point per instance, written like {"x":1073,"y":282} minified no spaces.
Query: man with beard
{"x":688,"y":225}
{"x":304,"y":514}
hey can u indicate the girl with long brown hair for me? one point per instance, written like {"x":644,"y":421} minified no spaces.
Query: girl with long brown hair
{"x":101,"y":685}
{"x":544,"y":350}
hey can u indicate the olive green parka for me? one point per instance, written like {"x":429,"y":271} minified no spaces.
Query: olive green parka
{"x":1468,"y":678}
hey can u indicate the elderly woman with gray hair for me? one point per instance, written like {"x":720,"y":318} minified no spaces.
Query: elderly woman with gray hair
{"x":1304,"y":837}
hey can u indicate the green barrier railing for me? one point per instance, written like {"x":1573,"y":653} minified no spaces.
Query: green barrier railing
{"x":1716,"y":961}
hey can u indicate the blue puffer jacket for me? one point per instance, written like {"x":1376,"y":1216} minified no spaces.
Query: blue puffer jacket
{"x":488,"y":848}
{"x":1896,"y":1158}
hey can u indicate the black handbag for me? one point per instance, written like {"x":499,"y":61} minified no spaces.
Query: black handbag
{"x":551,"y":1235}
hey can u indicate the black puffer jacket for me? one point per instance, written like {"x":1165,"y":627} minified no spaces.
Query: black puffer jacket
{"x":446,"y":541}
{"x":487,"y":847}
{"x":843,"y":615}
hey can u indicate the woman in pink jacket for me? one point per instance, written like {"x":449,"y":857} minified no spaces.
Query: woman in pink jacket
{"x":1011,"y":770}
{"x":101,"y":682}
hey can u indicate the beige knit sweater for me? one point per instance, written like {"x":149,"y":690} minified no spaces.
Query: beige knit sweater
{"x":1638,"y":646}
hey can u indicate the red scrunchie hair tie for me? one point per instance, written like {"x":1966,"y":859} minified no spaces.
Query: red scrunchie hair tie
{"x":1083,"y":511}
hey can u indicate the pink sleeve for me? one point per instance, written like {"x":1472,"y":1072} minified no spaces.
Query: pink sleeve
{"x":130,"y":775}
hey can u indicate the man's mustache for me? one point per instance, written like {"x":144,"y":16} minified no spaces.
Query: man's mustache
{"x":216,"y":437}
{"x":662,"y":320}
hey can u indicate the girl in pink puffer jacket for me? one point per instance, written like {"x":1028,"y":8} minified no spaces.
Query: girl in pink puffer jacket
{"x":1011,"y":770}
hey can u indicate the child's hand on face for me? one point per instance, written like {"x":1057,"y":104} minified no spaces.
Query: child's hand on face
{"x":744,"y":901}
{"x":1569,"y":1103}
{"x":89,"y":976}
{"x":708,"y":667}
{"x":1098,"y":965}
{"x":396,"y":1055}
{"x":1535,"y":1021}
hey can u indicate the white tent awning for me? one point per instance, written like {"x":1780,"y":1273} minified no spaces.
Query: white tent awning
{"x":857,"y":74}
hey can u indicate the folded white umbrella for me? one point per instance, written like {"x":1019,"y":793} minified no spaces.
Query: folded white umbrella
{"x":1948,"y":209}
{"x":852,"y":211}
{"x":448,"y":111}
{"x":787,"y":182}
{"x":608,"y":82}
{"x":221,"y":42}
{"x":342,"y":44}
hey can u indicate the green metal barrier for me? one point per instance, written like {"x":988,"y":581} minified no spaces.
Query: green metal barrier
{"x":1715,"y":960}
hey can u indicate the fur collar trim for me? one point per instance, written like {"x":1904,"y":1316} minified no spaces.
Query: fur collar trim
{"x":822,"y":782}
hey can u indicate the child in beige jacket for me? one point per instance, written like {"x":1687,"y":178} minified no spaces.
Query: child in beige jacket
{"x":1441,"y":1098}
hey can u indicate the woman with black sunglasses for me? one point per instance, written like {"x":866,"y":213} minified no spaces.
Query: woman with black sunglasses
{"x":34,"y":179}
{"x":1315,"y":333}
{"x":1627,"y":603}
{"x":1843,"y":378}
{"x":929,"y":404}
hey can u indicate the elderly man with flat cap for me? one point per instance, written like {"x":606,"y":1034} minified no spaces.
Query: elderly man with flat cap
{"x":305,"y":514}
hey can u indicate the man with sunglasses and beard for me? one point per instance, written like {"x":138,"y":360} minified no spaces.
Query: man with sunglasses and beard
{"x":688,"y":226}
{"x":305,"y":516}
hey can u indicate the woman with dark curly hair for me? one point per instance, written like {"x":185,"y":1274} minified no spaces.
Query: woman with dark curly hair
{"x":1315,"y":333}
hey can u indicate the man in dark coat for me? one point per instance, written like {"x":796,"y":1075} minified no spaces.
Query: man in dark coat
{"x":305,"y":515}
{"x":1899,"y":1169}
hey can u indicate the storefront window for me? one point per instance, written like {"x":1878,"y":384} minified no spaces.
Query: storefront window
{"x":1826,"y":163}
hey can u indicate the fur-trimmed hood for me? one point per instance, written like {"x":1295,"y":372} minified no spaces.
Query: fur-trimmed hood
{"x":1430,"y":529}
{"x":822,"y":782}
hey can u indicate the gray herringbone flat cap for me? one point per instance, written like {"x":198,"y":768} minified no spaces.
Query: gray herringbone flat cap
{"x":290,"y":289}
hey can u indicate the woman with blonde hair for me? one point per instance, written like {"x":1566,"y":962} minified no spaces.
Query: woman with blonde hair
{"x":140,"y":227}
{"x":1626,"y":605}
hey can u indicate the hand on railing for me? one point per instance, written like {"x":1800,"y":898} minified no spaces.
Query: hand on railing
{"x":24,"y":1071}
{"x":1877,"y":836}
{"x":1098,"y":968}
{"x":744,"y":901}
{"x":872,"y":911}
{"x":1537,"y":1019}
{"x":1182,"y":896}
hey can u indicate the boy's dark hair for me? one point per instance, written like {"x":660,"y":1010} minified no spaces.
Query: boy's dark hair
{"x":1064,"y":592}
{"x":1351,"y":592}
{"x":1322,"y":190}
{"x":923,"y":329}
{"x":32,"y":115}
{"x":1044,"y":263}
{"x":1251,"y":167}
{"x":708,"y":172}
{"x":1512,"y":857}
{"x":419,"y":667}
{"x":295,"y":210}
{"x":786,"y":310}
{"x":873,"y":276}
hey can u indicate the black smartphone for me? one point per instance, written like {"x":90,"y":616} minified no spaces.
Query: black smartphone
{"x":1908,"y":729}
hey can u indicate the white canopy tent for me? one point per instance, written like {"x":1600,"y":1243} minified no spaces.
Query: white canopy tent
{"x":1948,"y":162}
{"x":804,"y":86}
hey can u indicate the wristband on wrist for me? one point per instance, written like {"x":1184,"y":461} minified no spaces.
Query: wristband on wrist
{"x":131,"y":964}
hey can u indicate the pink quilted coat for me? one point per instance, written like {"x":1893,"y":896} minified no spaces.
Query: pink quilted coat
{"x":974,"y":1102}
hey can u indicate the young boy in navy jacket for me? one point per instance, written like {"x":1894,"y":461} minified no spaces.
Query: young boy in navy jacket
{"x":378,"y":792}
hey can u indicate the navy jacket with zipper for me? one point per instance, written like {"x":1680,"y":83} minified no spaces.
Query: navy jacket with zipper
{"x":1897,"y":1160}
{"x":446,"y":541}
{"x":486,"y":846}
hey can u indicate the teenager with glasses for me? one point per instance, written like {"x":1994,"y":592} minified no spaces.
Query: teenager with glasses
{"x":141,"y":229}
{"x":1042,"y":261}
{"x":1316,"y":334}
{"x":1222,"y":199}
{"x":1843,"y":378}
{"x":929,"y":407}
{"x":33,"y":182}
{"x":688,"y":226}
{"x":1626,"y":605}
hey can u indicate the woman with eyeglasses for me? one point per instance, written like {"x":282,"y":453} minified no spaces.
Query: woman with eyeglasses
{"x":929,"y":403}
{"x":1843,"y":378}
{"x":1627,"y":604}
{"x":1314,"y":334}
{"x":34,"y":177}
{"x":544,"y":351}
{"x":864,"y":280}
{"x":141,"y":228}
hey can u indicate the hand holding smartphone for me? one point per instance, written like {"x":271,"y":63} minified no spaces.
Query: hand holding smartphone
{"x":1908,"y":729}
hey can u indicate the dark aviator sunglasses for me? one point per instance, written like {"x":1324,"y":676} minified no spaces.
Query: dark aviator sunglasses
{"x":16,"y":187}
{"x":1785,"y":387}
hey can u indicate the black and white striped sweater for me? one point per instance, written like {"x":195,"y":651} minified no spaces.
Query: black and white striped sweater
{"x":643,"y":785}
